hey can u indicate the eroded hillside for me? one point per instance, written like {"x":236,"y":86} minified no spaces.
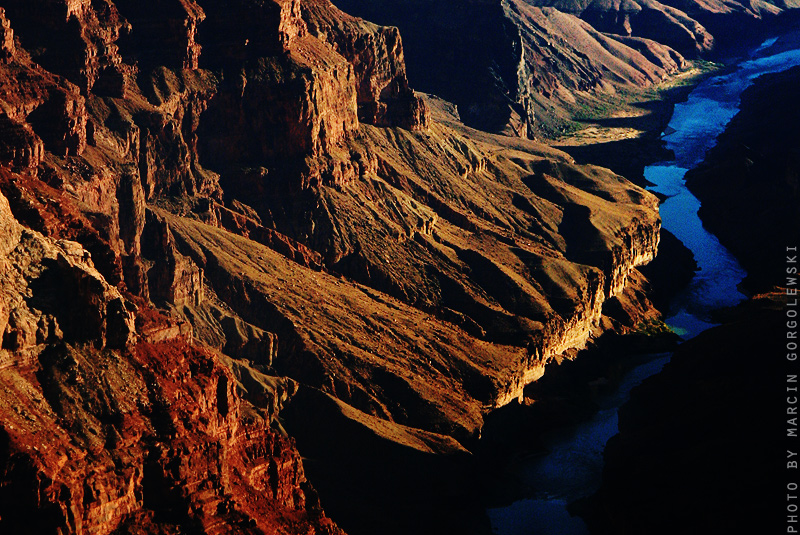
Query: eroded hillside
{"x":215,"y":209}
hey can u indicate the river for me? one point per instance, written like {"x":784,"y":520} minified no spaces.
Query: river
{"x":573,"y":467}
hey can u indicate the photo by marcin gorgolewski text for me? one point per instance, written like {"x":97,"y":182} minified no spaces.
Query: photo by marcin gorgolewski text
{"x":792,"y":401}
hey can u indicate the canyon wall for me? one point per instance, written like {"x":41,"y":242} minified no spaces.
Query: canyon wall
{"x":106,"y":430}
{"x":691,"y":445}
{"x":215,"y":210}
{"x":527,"y":67}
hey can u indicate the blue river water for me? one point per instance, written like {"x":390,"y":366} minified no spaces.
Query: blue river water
{"x":693,"y":129}
{"x":573,"y":466}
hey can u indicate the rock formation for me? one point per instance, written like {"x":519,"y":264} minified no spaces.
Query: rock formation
{"x":105,"y":431}
{"x":212,"y":210}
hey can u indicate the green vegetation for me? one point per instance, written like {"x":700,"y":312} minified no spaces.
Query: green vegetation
{"x":592,"y":110}
{"x":653,"y":327}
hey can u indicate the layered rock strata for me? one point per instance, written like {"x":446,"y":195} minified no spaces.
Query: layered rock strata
{"x":266,"y":211}
{"x":105,"y":432}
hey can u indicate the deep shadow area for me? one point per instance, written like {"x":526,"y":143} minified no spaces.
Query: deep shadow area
{"x":700,"y":448}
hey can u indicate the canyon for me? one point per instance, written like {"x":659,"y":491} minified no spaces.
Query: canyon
{"x":541,"y":68}
{"x":703,"y":420}
{"x":222,"y":219}
{"x":253,"y":282}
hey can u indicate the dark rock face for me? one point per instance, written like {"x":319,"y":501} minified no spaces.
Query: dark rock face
{"x":671,"y":271}
{"x":693,"y":444}
{"x":466,"y":52}
{"x":749,"y":183}
{"x":76,"y":39}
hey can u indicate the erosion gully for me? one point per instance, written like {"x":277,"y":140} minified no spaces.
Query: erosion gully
{"x":572,"y":468}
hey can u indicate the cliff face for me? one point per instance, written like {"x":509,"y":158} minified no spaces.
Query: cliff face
{"x":303,"y":87}
{"x":74,"y":38}
{"x":104,"y":431}
{"x":513,"y":62}
{"x":215,"y":208}
{"x":376,"y":54}
{"x":466,"y":52}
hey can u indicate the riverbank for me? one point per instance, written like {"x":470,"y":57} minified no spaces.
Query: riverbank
{"x":625,"y":135}
{"x":691,"y":454}
{"x":567,"y":394}
{"x":755,"y":165}
{"x":575,"y":389}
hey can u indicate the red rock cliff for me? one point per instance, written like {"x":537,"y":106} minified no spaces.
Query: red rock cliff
{"x":105,"y":433}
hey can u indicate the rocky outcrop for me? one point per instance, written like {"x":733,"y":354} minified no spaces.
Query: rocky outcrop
{"x":102,"y":433}
{"x":72,"y":301}
{"x":165,"y":138}
{"x":376,"y":53}
{"x":21,"y":147}
{"x":46,"y":112}
{"x":8,"y":47}
{"x":53,"y":294}
{"x":325,"y":72}
{"x":76,"y":39}
{"x":755,"y":164}
{"x":292,"y":108}
{"x":164,"y":451}
{"x":174,"y":278}
{"x":167,"y":37}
